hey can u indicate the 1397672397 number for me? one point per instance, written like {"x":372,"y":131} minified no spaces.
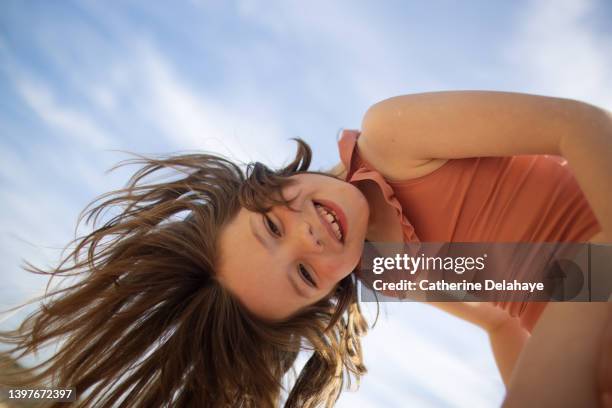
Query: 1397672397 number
{"x":47,"y":394}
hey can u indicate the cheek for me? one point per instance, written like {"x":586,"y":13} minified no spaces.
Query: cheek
{"x":336,"y":274}
{"x":357,"y":254}
{"x":341,"y":266}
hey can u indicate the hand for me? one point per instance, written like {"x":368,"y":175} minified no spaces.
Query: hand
{"x":483,"y":314}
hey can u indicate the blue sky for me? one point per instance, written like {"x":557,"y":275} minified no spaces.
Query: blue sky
{"x":80,"y":80}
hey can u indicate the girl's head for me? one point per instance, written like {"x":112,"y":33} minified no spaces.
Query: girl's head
{"x":280,"y":261}
{"x":192,"y":293}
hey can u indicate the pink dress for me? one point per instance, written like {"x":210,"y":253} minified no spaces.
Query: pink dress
{"x":527,"y":198}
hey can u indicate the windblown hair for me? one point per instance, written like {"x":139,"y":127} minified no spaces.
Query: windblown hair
{"x":149,"y":324}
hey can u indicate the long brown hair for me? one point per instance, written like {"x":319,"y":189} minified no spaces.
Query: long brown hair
{"x":148,"y":324}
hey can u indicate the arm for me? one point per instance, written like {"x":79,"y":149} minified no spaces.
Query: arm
{"x":505,"y":333}
{"x":507,"y":342}
{"x":558,"y":366}
{"x":459,"y":124}
{"x":588,"y":151}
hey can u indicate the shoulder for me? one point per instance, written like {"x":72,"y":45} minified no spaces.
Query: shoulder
{"x":405,"y":170}
{"x":393,"y":150}
{"x":392,"y":164}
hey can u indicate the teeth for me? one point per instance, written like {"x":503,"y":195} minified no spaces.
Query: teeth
{"x":331,"y":217}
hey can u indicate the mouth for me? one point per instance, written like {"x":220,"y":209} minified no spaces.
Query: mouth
{"x":334,"y":219}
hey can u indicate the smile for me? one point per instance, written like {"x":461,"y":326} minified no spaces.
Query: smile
{"x":332,"y":220}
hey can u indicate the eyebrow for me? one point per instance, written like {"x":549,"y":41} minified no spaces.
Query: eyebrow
{"x":263,"y":242}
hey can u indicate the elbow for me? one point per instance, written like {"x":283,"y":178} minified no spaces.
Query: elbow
{"x":586,"y":123}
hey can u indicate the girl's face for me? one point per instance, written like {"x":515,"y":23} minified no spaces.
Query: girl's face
{"x":282,"y":261}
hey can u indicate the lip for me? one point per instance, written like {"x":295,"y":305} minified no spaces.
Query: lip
{"x":341,"y":219}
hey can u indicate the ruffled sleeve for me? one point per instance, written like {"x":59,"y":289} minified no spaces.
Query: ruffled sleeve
{"x":358,"y":169}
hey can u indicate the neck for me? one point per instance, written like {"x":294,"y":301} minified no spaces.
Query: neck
{"x":383,"y":223}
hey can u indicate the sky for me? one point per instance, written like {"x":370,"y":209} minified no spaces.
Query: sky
{"x":82,"y":81}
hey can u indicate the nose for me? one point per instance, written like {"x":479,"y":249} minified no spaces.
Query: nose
{"x":307,"y":237}
{"x":303,"y":230}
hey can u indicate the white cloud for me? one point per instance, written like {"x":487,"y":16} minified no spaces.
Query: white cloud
{"x":410,"y":366}
{"x":103,"y":97}
{"x":191,"y":120}
{"x":68,"y":121}
{"x":352,"y":46}
{"x":560,"y":53}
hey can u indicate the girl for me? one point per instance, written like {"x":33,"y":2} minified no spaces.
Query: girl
{"x":202,"y":289}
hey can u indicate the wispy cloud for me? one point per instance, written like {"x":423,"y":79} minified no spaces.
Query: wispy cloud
{"x":65,"y":120}
{"x":559,"y":50}
{"x":350,"y":43}
{"x":192,"y":121}
{"x":411,"y":363}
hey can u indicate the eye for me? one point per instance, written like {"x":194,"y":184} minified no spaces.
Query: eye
{"x":306,"y":277}
{"x":271,"y":226}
